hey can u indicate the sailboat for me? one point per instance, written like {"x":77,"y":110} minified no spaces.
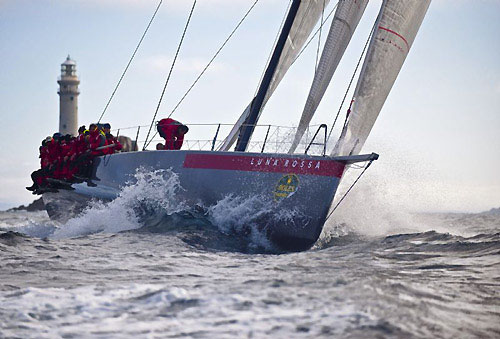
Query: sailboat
{"x":297,"y":188}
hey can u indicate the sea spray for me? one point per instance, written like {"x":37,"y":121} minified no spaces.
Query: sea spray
{"x":150,"y":191}
{"x":234,"y":212}
{"x":151,"y":201}
{"x":153,"y":194}
{"x":251,"y":216}
{"x":372,"y":209}
{"x":240,"y":215}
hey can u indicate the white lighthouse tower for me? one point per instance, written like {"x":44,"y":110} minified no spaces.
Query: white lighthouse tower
{"x":68,"y":98}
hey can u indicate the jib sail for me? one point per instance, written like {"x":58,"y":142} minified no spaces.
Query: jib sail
{"x":305,"y":16}
{"x":397,"y":26}
{"x":344,"y":24}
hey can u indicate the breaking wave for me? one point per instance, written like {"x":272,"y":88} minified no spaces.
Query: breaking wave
{"x":152,"y":202}
{"x":149,"y":192}
{"x":236,"y":214}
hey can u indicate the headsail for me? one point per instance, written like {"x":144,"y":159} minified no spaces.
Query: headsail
{"x":398,"y":24}
{"x":306,"y":17}
{"x":344,"y":24}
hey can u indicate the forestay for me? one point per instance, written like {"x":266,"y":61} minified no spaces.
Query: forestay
{"x":344,"y":24}
{"x":398,"y":24}
{"x":308,"y":14}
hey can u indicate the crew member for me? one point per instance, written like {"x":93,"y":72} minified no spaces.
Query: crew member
{"x":111,"y":140}
{"x":173,"y":133}
{"x":97,"y":139}
{"x":68,"y":150}
{"x":39,"y":176}
{"x":80,"y":156}
{"x":55,"y":156}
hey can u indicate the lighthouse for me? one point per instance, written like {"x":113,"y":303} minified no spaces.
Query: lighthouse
{"x":68,"y":98}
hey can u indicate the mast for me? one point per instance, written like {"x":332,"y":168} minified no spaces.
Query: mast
{"x":249,"y":124}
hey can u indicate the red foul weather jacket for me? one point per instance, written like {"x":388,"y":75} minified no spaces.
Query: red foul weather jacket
{"x":53,"y":150}
{"x":96,"y":139}
{"x":81,"y":145}
{"x":169,"y":130}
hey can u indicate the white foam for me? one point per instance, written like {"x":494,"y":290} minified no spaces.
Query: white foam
{"x":239,"y":214}
{"x":149,"y":310}
{"x":154,"y":190}
{"x":52,"y":312}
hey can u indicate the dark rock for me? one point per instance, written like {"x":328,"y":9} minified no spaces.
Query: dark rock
{"x":128,"y":144}
{"x":36,"y":205}
{"x":493,"y":211}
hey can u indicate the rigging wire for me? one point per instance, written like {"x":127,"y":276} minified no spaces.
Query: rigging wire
{"x":209,"y":63}
{"x":350,"y":188}
{"x":170,"y":72}
{"x":314,"y":35}
{"x":319,"y":38}
{"x":271,"y":52}
{"x":213,"y":58}
{"x":146,"y":144}
{"x":350,"y":82}
{"x":130,"y":61}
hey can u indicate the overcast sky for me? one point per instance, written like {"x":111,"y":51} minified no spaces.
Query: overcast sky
{"x":438,"y":134}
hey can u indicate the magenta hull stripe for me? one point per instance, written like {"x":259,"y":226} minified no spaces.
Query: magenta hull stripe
{"x":329,"y":168}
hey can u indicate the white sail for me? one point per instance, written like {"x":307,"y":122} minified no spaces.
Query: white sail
{"x":308,"y":14}
{"x":344,"y":24}
{"x":398,"y":24}
{"x":233,"y":134}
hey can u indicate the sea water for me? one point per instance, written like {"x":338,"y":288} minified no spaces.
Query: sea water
{"x":147,"y":265}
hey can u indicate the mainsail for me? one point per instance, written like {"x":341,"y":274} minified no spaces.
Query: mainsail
{"x":344,"y":24}
{"x":306,"y":17}
{"x":397,"y":26}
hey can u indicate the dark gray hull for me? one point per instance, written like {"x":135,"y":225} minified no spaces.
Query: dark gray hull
{"x":298,"y":189}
